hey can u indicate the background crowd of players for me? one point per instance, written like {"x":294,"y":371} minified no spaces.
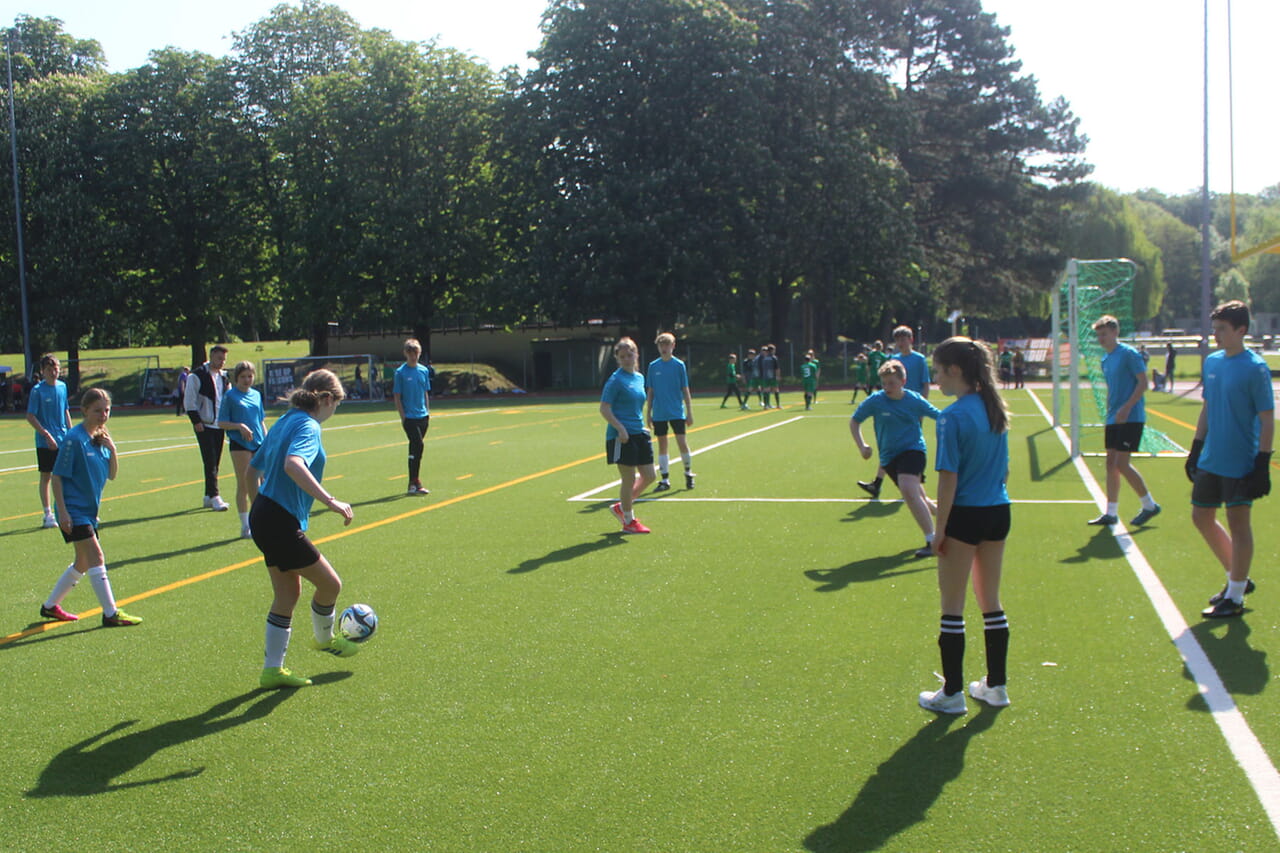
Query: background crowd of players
{"x":279,"y":473}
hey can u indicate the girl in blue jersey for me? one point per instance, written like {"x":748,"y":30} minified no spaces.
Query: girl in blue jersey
{"x":973,"y":519}
{"x":291,"y":460}
{"x":243,"y":418}
{"x":412,"y":390}
{"x":86,"y":460}
{"x":627,"y":445}
{"x":49,"y":416}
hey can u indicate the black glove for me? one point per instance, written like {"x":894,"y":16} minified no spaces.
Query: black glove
{"x":1193,"y":459}
{"x":1258,"y":483}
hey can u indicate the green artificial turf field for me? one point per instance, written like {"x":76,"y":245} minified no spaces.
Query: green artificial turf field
{"x":744,"y":678}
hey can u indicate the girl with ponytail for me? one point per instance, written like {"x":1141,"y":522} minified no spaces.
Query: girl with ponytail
{"x":291,"y":460}
{"x":973,"y":519}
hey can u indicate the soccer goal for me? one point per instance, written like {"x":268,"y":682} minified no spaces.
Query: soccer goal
{"x":356,"y":372}
{"x":1088,"y":290}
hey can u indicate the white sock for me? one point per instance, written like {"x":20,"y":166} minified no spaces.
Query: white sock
{"x":322,"y":622}
{"x":628,"y":516}
{"x":687,"y":459}
{"x":1235,"y":590}
{"x":1113,"y":508}
{"x":278,"y":631}
{"x":244,"y":519}
{"x":102,"y":589}
{"x":928,"y":538}
{"x":1148,"y":502}
{"x":664,"y":464}
{"x":69,"y":579}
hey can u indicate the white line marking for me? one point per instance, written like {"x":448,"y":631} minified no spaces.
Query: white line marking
{"x":1243,"y":743}
{"x":759,"y":500}
{"x":598,"y":489}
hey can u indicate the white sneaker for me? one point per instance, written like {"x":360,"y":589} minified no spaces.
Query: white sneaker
{"x":996,"y":697}
{"x":217,"y":504}
{"x":49,"y":521}
{"x":246,"y":533}
{"x":940,"y":702}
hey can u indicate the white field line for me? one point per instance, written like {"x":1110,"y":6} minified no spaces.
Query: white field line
{"x":585,"y":498}
{"x":1241,"y":740}
{"x":587,"y":495}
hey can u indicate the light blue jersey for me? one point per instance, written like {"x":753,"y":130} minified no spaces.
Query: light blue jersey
{"x":668,"y":379}
{"x":1122,"y":367}
{"x":49,"y":404}
{"x":1237,"y":389}
{"x":412,"y":385}
{"x":978,"y":456}
{"x":624,"y":392}
{"x":897,"y":422}
{"x":84,"y":468}
{"x":244,"y":407}
{"x":917,"y":367}
{"x":296,"y":433}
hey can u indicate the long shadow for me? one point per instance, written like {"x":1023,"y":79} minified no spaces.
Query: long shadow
{"x":1101,"y":546}
{"x":1033,"y":453}
{"x":142,"y":519}
{"x":865,"y":571}
{"x":165,"y":555}
{"x":903,"y":789}
{"x":874,"y":509}
{"x":1243,"y":669}
{"x":81,"y":628}
{"x":573,"y":552}
{"x":88,"y":767}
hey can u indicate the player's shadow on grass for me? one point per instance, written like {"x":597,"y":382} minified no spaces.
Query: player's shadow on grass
{"x":165,"y":555}
{"x":874,"y":509}
{"x":1101,"y":546}
{"x":143,"y":519}
{"x":81,"y":628}
{"x":573,"y":552}
{"x":90,"y":766}
{"x":903,"y":789}
{"x":1243,"y":669}
{"x":870,"y":569}
{"x":1033,"y":454}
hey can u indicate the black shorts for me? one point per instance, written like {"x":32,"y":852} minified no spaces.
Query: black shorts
{"x":79,"y":533}
{"x":45,"y":459}
{"x":907,"y":462}
{"x":973,"y":525}
{"x":635,"y":451}
{"x":660,"y":427}
{"x":282,"y":541}
{"x":1214,"y":490}
{"x":1125,"y":437}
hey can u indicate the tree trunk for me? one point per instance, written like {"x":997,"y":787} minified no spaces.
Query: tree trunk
{"x":320,"y":339}
{"x":779,"y":311}
{"x":199,"y":354}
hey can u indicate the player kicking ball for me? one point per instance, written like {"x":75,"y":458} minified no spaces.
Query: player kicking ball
{"x":898,"y":414}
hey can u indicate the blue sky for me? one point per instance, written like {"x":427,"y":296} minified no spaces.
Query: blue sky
{"x":1131,"y":69}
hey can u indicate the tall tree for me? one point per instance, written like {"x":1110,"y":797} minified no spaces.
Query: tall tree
{"x":41,"y":48}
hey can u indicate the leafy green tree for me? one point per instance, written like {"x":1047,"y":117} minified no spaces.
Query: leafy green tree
{"x":40,"y":48}
{"x":1106,"y":225}
{"x":1179,"y":246}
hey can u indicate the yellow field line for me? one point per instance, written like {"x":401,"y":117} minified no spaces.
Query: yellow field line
{"x":1191,"y":427}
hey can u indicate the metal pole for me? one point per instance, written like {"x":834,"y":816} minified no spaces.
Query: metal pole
{"x":1205,"y":213}
{"x":17,"y":214}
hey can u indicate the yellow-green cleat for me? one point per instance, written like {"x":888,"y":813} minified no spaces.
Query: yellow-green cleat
{"x":120,"y":619}
{"x":339,"y":646}
{"x":278,"y":676}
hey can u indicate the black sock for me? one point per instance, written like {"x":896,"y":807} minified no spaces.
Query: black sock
{"x":996,"y":635}
{"x":951,"y":644}
{"x":777,"y":400}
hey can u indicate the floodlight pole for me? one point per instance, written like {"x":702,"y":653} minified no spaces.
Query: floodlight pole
{"x":1205,"y":212}
{"x":17,"y":214}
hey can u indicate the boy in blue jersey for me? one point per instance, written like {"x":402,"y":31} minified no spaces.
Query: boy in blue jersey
{"x":412,"y":388}
{"x":898,"y":414}
{"x":1126,"y":375}
{"x":626,"y":443}
{"x":50,"y":417}
{"x":917,"y":366}
{"x":669,"y":408}
{"x":1230,"y":458}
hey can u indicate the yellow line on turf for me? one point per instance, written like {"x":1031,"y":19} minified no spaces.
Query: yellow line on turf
{"x":1191,"y":427}
{"x":38,"y":629}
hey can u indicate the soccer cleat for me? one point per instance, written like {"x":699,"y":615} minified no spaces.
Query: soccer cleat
{"x":339,"y":646}
{"x":418,"y":489}
{"x":688,"y":479}
{"x":872,"y":488}
{"x":1104,"y":520}
{"x":49,"y":521}
{"x":926,"y":551}
{"x":941,"y":703}
{"x":635,"y":527}
{"x":1248,"y":588}
{"x":616,"y":509}
{"x":1225,"y":608}
{"x":663,"y":485}
{"x":1144,"y":516}
{"x":278,"y":676}
{"x":996,"y":697}
{"x":56,"y":612}
{"x":217,"y":504}
{"x":120,"y":619}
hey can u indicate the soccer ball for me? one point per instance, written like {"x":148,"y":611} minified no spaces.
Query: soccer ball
{"x":358,"y":622}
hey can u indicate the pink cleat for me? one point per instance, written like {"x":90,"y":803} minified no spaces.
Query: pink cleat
{"x":56,"y":612}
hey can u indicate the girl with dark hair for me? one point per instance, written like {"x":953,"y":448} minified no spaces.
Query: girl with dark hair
{"x":291,"y":460}
{"x":973,"y":519}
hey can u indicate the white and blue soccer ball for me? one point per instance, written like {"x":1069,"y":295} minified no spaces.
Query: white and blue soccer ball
{"x":358,"y":622}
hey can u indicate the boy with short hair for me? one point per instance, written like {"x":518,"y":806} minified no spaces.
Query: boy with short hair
{"x":1126,"y":376}
{"x":809,"y":378}
{"x":669,"y":408}
{"x":50,"y":417}
{"x":1230,"y":458}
